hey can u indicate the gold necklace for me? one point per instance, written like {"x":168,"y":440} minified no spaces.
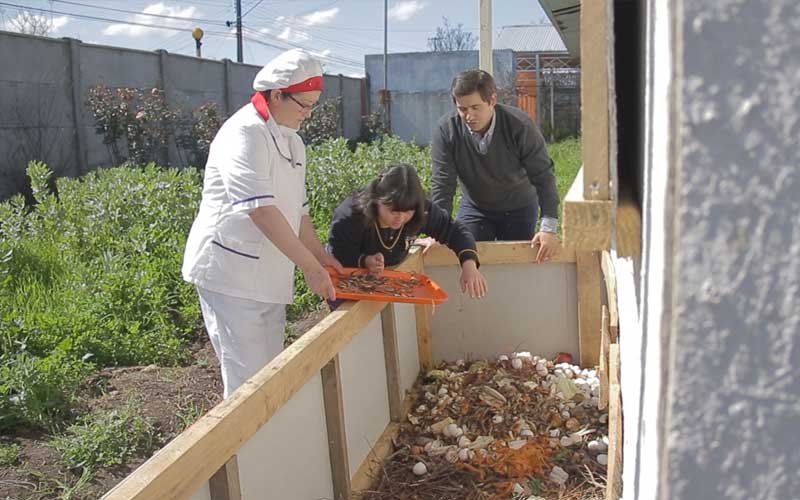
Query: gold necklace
{"x":380,"y":238}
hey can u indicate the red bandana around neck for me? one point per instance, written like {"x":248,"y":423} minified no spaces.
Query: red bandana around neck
{"x":259,"y":99}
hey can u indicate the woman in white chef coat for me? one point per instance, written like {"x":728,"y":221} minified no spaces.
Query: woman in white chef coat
{"x":253,"y":226}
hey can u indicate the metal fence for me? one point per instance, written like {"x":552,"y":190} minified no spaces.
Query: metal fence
{"x":549,"y":89}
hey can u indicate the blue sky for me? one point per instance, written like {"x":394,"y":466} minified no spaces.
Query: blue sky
{"x":340,"y":31}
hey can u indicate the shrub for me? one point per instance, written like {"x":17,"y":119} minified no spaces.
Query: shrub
{"x":324,"y":122}
{"x":101,"y":265}
{"x":197,"y":132}
{"x":38,"y":391}
{"x":138,"y":126}
{"x":106,"y":438}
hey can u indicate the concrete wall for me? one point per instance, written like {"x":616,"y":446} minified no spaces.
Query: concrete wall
{"x":722,"y":254}
{"x":44,"y":81}
{"x":420,"y":86}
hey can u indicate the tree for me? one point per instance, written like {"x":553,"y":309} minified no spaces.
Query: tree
{"x":449,"y":38}
{"x":31,"y":23}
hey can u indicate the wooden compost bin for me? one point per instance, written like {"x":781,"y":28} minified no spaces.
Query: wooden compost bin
{"x":314,"y":422}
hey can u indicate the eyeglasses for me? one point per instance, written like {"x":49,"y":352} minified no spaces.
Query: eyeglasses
{"x":305,"y":107}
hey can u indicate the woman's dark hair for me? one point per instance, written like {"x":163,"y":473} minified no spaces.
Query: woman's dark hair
{"x":473,"y":80}
{"x":398,"y":187}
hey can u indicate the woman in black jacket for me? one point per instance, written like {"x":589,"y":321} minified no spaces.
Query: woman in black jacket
{"x":375,"y":227}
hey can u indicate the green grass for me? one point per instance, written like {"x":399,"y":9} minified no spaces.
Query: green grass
{"x":106,"y":438}
{"x":9,"y":454}
{"x":567,"y":158}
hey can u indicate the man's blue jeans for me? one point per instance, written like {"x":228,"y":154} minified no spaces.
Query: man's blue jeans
{"x":490,"y":225}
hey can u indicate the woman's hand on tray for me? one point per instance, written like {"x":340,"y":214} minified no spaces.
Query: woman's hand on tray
{"x":374,"y":263}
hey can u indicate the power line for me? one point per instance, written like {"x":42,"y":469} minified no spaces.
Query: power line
{"x":124,"y":11}
{"x":93,"y":18}
{"x":253,"y":7}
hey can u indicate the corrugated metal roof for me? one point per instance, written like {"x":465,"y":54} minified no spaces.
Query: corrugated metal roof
{"x":529,"y":38}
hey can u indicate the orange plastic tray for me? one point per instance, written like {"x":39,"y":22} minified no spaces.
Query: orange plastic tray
{"x":427,"y":292}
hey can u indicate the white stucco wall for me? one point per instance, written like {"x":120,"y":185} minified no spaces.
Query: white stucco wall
{"x":731,"y":395}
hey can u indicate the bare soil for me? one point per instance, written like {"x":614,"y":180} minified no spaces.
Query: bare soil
{"x":172,"y":397}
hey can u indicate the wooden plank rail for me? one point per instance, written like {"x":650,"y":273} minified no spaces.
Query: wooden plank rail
{"x":496,"y":252}
{"x":192,"y":458}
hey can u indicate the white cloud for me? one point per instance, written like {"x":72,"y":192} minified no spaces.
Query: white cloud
{"x":293,"y":36}
{"x":321,"y":16}
{"x":266,"y":31}
{"x":323,"y":54}
{"x":159,"y":9}
{"x":60,"y":22}
{"x":405,"y":10}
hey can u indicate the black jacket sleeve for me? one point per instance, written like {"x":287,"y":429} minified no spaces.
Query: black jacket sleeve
{"x":539,"y":167}
{"x":444,"y":178}
{"x":346,"y":234}
{"x":448,"y":231}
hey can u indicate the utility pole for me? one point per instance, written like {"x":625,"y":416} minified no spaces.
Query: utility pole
{"x":239,"y":56}
{"x":486,"y":36}
{"x":385,"y":98}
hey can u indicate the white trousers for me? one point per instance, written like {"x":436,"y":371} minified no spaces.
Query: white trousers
{"x":246,"y":334}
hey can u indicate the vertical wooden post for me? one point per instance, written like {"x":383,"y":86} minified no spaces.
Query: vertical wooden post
{"x":610,"y":277}
{"x":392,"y":360}
{"x":614,"y":473}
{"x":224,"y":484}
{"x":595,"y":62}
{"x":422,"y":313}
{"x":589,"y":314}
{"x":337,"y":437}
{"x":603,"y":372}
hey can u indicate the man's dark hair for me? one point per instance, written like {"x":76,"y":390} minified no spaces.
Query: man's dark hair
{"x":473,"y":80}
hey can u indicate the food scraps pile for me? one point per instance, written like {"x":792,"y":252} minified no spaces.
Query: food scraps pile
{"x":380,"y":284}
{"x":522,"y":427}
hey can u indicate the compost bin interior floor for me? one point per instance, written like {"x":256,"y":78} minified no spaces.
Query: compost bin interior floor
{"x":519,"y":427}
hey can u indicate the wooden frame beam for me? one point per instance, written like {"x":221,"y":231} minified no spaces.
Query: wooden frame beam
{"x":337,"y":436}
{"x":610,"y":278}
{"x":596,"y":54}
{"x":614,"y":473}
{"x":496,"y":252}
{"x":224,"y":484}
{"x":603,"y":371}
{"x":629,"y":225}
{"x":589,"y":307}
{"x":586,"y":224}
{"x":392,"y":361}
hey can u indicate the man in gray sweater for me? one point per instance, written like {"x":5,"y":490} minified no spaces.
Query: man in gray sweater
{"x":499,"y":157}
